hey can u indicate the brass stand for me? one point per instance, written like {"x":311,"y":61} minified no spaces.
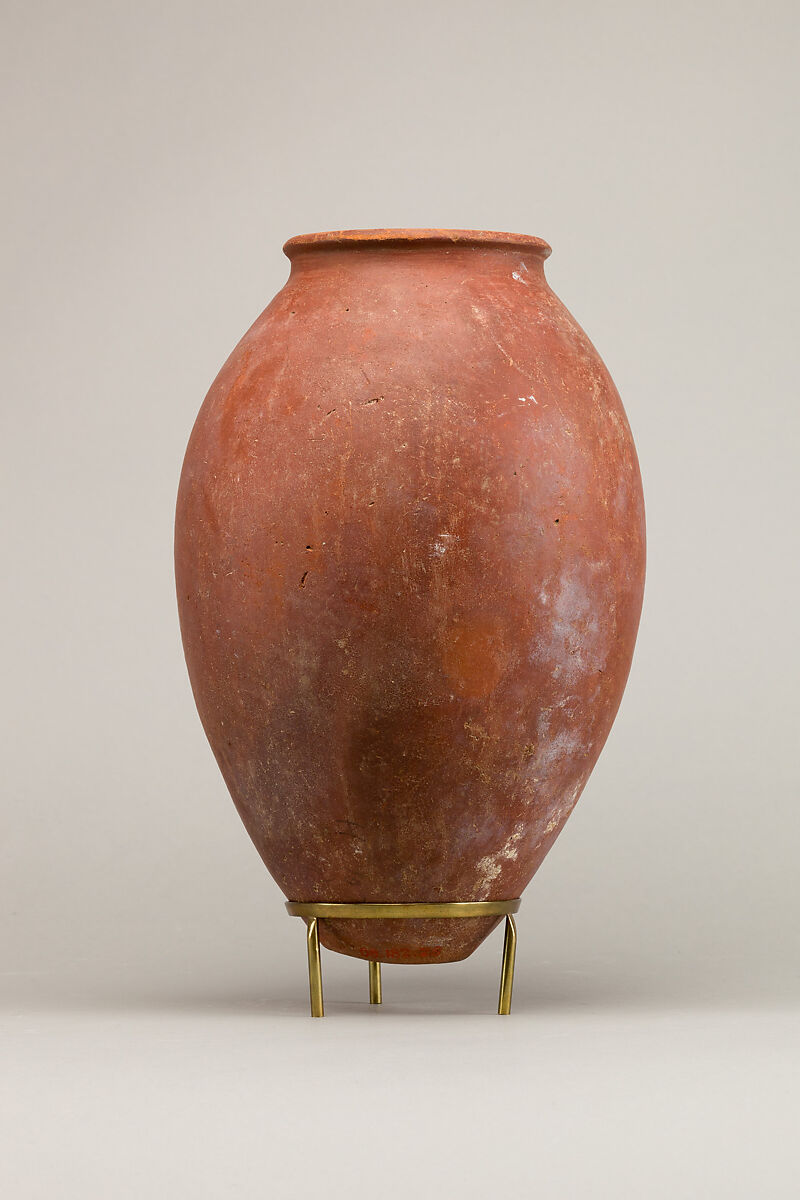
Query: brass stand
{"x":313,"y":913}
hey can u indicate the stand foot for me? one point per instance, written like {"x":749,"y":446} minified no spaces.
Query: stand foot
{"x":375,"y":994}
{"x":507,"y":969}
{"x":314,"y":969}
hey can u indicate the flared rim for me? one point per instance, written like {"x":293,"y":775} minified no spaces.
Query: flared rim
{"x":397,"y":238}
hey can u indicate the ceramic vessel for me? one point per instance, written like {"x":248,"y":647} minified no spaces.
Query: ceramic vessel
{"x":410,"y":562}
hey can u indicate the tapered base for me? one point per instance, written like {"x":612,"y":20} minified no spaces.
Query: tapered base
{"x":312,"y":913}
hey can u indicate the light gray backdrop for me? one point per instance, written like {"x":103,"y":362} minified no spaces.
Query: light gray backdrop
{"x":155,"y":157}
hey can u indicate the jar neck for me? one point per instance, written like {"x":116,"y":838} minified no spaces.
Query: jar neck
{"x":510,"y":264}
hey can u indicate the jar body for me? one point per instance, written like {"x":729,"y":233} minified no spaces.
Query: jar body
{"x":410,"y":564}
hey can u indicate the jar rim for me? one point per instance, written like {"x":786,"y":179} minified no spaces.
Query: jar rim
{"x":398,"y":238}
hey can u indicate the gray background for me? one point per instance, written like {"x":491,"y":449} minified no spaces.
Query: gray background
{"x":156,"y":156}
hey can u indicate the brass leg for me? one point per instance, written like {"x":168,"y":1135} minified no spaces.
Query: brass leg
{"x":375,"y":994}
{"x":507,"y":970}
{"x":314,"y":969}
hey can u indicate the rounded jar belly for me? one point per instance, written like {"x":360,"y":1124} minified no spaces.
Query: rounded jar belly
{"x":410,"y":562}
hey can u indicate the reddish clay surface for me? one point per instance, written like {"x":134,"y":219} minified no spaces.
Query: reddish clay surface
{"x":410,"y":561}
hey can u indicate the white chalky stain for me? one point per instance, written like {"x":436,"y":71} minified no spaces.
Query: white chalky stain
{"x":573,"y":641}
{"x":491,"y":865}
{"x":563,"y":812}
{"x":562,"y":747}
